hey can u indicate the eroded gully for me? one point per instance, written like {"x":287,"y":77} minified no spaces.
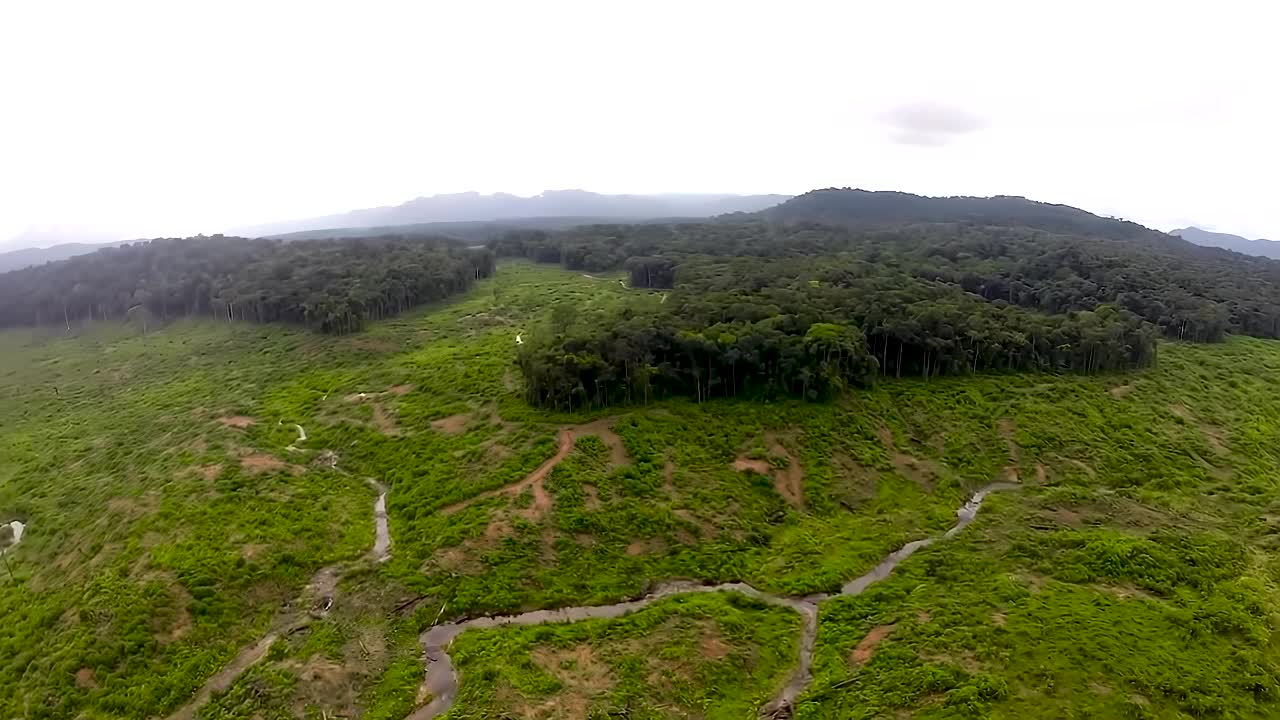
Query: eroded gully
{"x":442,"y":679}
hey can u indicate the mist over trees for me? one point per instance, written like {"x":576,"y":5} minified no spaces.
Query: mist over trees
{"x":334,"y":286}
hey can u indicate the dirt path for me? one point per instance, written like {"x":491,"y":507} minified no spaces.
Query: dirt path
{"x":441,"y":679}
{"x":246,"y":658}
{"x":568,"y":437}
{"x":315,"y":602}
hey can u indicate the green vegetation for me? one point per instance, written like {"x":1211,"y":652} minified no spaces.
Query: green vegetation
{"x":168,"y":527}
{"x":713,"y":656}
{"x":334,"y":286}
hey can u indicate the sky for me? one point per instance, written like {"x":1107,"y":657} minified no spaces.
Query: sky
{"x":173,"y":118}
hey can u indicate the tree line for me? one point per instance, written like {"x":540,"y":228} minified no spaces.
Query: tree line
{"x":804,"y":308}
{"x":334,"y":286}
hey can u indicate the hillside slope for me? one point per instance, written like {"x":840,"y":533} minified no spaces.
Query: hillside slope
{"x":201,"y":537}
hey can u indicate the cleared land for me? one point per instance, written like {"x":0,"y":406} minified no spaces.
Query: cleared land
{"x":168,"y":527}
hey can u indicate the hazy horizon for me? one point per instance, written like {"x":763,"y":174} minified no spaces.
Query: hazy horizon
{"x":142,"y":119}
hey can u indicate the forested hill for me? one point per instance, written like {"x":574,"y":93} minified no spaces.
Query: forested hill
{"x":845,"y":206}
{"x":330,"y":285}
{"x":804,"y":308}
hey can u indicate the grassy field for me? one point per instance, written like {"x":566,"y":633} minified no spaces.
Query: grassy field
{"x":170,"y":525}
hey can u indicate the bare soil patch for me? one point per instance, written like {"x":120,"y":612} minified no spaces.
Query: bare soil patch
{"x":713,"y":647}
{"x":1121,"y":390}
{"x":400,"y":389}
{"x":383,"y":420}
{"x":744,"y":464}
{"x":452,"y":425}
{"x":924,"y":473}
{"x":237,"y":421}
{"x":591,"y":497}
{"x":583,"y":676}
{"x":788,"y":481}
{"x":999,"y":618}
{"x":646,"y":547}
{"x":86,"y":678}
{"x":205,"y":472}
{"x":257,"y":463}
{"x":1009,"y":432}
{"x":867,"y":647}
{"x":669,"y":477}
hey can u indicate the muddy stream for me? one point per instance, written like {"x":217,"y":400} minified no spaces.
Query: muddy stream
{"x":315,"y":602}
{"x":442,"y":679}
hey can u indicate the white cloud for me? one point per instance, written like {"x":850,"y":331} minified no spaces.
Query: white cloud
{"x":167,"y":118}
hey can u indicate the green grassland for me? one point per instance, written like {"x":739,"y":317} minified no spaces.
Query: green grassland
{"x":169,"y":525}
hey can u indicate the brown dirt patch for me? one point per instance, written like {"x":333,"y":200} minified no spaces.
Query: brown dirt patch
{"x":383,"y":420}
{"x":237,"y":421}
{"x":923,"y":616}
{"x":713,"y":647}
{"x":400,"y":389}
{"x":867,"y":647}
{"x":646,"y":547}
{"x":541,"y":501}
{"x":1121,"y":390}
{"x":257,"y":463}
{"x":591,"y":497}
{"x":86,"y":678}
{"x":744,"y":464}
{"x":583,"y":676}
{"x":669,"y":477}
{"x":325,"y":683}
{"x":1042,"y":474}
{"x":788,"y":481}
{"x":452,"y":425}
{"x":1009,"y":432}
{"x":206,"y":472}
{"x":924,"y":473}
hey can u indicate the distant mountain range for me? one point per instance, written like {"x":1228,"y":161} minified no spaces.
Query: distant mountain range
{"x":1263,"y":248}
{"x":472,"y":206}
{"x":26,"y":257}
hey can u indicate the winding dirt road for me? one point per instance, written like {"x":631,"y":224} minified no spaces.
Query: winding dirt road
{"x":442,"y":679}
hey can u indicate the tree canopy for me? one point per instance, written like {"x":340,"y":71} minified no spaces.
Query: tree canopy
{"x":333,"y":286}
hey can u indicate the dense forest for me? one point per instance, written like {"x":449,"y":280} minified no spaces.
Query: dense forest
{"x":334,"y":286}
{"x":801,"y":307}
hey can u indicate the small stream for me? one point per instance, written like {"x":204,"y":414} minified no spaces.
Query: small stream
{"x":19,"y":528}
{"x":442,"y":679}
{"x":381,"y":551}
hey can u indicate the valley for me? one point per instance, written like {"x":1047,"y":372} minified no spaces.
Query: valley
{"x":227,"y":520}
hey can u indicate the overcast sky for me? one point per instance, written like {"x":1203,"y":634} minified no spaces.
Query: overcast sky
{"x":181,"y":117}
